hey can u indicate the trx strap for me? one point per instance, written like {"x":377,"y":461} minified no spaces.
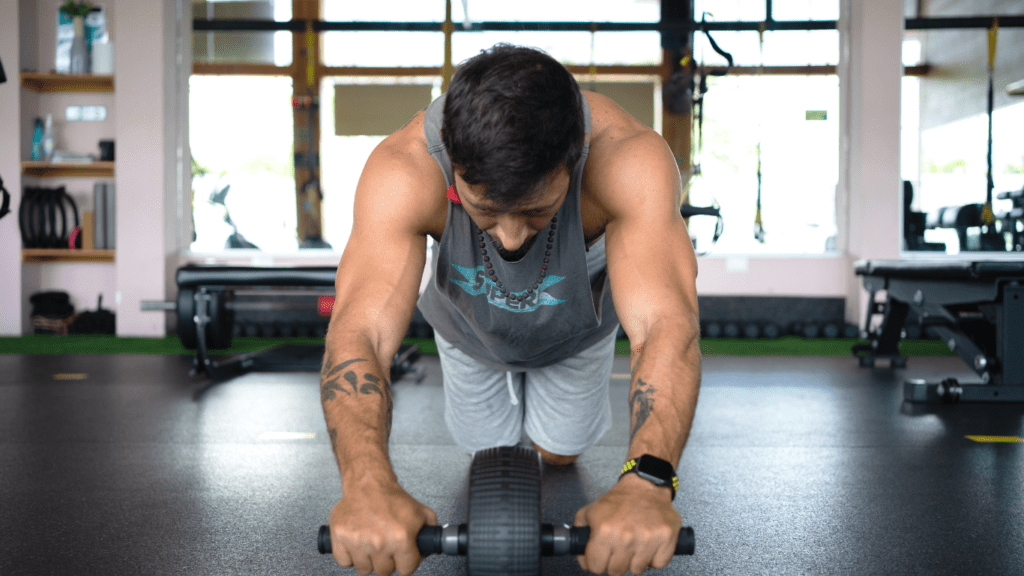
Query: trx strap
{"x":758,"y":226}
{"x":698,"y":99}
{"x":698,"y":110}
{"x":988,"y":217}
{"x":593,"y":66}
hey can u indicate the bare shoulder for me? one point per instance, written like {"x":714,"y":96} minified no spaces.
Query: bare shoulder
{"x":627,"y":162}
{"x":402,"y":185}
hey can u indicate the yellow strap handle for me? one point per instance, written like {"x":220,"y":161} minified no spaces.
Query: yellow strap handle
{"x":311,"y":57}
{"x":993,"y":36}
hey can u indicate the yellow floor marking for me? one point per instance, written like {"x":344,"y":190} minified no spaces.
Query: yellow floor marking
{"x":1002,"y":439}
{"x":288,"y":436}
{"x":620,"y":377}
{"x":70,"y":376}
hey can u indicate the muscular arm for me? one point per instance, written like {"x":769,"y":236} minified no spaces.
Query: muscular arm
{"x":633,"y":180}
{"x":376,"y":289}
{"x":374,"y":525}
{"x":653,"y":271}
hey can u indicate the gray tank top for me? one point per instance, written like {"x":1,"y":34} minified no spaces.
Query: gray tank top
{"x":571,"y":310}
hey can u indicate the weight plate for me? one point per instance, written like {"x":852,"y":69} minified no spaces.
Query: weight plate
{"x":222,"y":321}
{"x":504,"y":514}
{"x":186,"y":318}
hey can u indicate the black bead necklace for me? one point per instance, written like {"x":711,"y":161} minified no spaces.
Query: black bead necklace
{"x":543,"y":269}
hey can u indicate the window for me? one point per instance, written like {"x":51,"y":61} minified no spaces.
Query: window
{"x":795,"y":121}
{"x":249,"y":47}
{"x":243,"y":182}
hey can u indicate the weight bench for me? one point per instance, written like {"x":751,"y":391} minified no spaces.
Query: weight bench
{"x":977,"y":308}
{"x":205,"y":309}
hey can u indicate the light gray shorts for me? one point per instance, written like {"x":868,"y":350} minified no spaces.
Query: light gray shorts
{"x":563,"y":408}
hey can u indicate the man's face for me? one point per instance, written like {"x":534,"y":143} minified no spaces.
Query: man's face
{"x":515,"y":230}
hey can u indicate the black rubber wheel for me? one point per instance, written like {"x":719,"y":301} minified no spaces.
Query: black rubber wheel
{"x":504,"y":513}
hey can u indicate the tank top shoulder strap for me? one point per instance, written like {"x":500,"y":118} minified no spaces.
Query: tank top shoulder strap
{"x":435,"y":146}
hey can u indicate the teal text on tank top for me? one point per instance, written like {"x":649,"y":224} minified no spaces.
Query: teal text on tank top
{"x":570,"y":311}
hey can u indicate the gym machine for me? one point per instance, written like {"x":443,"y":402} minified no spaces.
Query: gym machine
{"x":1004,"y":234}
{"x":206,"y":307}
{"x":977,"y":308}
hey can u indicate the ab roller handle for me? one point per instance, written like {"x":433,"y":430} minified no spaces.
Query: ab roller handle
{"x":554,"y":540}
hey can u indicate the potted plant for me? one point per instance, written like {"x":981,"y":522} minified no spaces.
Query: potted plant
{"x":79,"y":48}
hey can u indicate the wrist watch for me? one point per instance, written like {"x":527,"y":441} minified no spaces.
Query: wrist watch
{"x":654,"y":470}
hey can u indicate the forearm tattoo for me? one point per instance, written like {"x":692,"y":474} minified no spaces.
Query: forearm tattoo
{"x":641,"y":402}
{"x":334,"y":439}
{"x":335,"y":379}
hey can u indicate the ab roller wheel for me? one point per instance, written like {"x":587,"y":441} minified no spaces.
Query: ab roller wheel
{"x":504,"y":512}
{"x":503,"y":535}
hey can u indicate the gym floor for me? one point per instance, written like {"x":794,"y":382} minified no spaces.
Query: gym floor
{"x":113,"y":464}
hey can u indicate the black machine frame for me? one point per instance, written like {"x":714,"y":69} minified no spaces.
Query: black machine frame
{"x":206,"y":318}
{"x":976,"y":308}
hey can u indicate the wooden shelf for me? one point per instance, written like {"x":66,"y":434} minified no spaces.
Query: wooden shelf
{"x":51,"y":82}
{"x":65,"y":255}
{"x":51,"y":170}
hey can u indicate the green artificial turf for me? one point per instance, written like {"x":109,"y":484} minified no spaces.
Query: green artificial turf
{"x":787,"y":346}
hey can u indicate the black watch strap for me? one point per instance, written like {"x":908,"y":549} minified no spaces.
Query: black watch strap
{"x":654,"y":470}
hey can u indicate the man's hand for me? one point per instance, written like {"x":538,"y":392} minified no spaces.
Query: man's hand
{"x":632,"y":527}
{"x":374,"y":530}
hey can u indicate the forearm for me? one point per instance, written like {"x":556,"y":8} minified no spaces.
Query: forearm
{"x":665,"y":369}
{"x":356,"y":396}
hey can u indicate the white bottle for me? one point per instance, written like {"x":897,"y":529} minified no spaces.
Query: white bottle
{"x":49,"y":142}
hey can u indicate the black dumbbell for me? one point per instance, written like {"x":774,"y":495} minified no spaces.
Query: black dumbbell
{"x":503,"y":534}
{"x":751,"y":331}
{"x":851,"y":332}
{"x":811,"y":331}
{"x":731,"y":330}
{"x":771,"y":331}
{"x":713,"y":330}
{"x":831,"y":331}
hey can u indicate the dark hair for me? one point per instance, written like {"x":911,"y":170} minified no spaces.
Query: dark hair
{"x":512,"y":116}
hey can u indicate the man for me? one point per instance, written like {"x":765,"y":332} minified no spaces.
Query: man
{"x":554,"y":216}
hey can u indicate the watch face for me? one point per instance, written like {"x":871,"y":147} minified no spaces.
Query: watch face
{"x":656,"y":470}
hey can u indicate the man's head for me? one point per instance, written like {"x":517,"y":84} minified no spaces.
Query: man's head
{"x":513,"y":118}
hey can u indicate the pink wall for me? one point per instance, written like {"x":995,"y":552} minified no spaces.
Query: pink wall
{"x":869,"y":198}
{"x":10,"y":171}
{"x":818,"y":276}
{"x":145,"y":103}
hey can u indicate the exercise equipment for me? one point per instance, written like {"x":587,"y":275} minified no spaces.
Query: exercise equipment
{"x":206,"y":304}
{"x":759,"y":234}
{"x":977,"y":308}
{"x":47,"y":218}
{"x":503,"y":535}
{"x":915,"y":223}
{"x":5,"y":203}
{"x":987,"y":216}
{"x":751,"y":331}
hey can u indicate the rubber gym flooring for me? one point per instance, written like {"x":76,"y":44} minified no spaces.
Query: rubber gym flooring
{"x":113,"y":464}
